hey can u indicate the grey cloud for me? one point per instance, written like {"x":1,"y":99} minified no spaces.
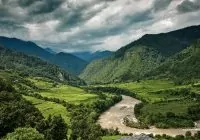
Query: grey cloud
{"x":39,"y":11}
{"x":44,"y":6}
{"x":188,"y":6}
{"x":161,"y":5}
{"x":26,"y":3}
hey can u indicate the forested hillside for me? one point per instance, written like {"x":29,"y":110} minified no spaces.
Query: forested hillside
{"x":184,"y":67}
{"x":137,"y":59}
{"x":134,"y":64}
{"x":66,"y":61}
{"x":31,"y":66}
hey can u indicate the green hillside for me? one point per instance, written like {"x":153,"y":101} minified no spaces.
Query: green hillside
{"x":184,"y":67}
{"x":28,"y":65}
{"x":134,"y":64}
{"x":135,"y":60}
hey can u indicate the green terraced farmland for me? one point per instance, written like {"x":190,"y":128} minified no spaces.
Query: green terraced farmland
{"x":64,"y":92}
{"x":147,"y":89}
{"x":49,"y":108}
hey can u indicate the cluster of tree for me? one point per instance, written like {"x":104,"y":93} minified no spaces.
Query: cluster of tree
{"x":32,"y":66}
{"x":16,"y":112}
{"x":24,"y":134}
{"x":167,"y":120}
{"x":194,"y":112}
{"x":130,"y":123}
{"x":112,"y":90}
{"x":188,"y":136}
{"x":6,"y":86}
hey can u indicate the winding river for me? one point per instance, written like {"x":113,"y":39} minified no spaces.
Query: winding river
{"x":113,"y":118}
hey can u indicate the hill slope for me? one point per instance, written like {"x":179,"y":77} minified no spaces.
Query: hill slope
{"x":182,"y":67}
{"x":138,"y":58}
{"x":31,"y":48}
{"x":28,"y":65}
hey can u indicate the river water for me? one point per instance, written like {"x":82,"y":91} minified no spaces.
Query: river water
{"x":113,"y":118}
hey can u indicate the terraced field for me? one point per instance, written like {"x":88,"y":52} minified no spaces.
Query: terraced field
{"x":49,"y":108}
{"x":64,"y":92}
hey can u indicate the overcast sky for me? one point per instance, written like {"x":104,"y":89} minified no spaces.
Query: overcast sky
{"x":91,"y":25}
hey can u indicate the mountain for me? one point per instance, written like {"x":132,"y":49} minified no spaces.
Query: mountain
{"x":31,"y":48}
{"x":138,"y":58}
{"x":32,"y":66}
{"x":88,"y":56}
{"x":74,"y":64}
{"x":183,"y":67}
{"x":50,"y":50}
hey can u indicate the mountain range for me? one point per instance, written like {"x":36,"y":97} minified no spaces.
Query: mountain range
{"x":141,"y":57}
{"x":25,"y":65}
{"x":67,"y":61}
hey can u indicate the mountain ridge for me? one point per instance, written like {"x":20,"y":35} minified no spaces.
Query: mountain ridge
{"x":120,"y":67}
{"x":33,"y":66}
{"x":33,"y":49}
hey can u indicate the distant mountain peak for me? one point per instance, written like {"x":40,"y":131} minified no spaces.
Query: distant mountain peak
{"x":50,"y":50}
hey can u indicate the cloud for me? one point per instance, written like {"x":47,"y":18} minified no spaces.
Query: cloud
{"x":91,"y":25}
{"x":161,"y":4}
{"x":189,"y":6}
{"x":44,"y":6}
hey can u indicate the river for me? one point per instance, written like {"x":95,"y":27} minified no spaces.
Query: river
{"x":113,"y":118}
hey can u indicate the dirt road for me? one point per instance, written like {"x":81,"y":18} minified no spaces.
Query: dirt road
{"x":113,"y":118}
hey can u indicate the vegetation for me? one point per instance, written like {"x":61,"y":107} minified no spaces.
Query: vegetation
{"x":182,"y":68}
{"x":188,"y":136}
{"x":16,"y":112}
{"x":25,"y":134}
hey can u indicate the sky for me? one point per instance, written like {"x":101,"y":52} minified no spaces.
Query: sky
{"x":92,"y":25}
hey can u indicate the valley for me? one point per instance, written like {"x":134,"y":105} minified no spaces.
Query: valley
{"x":149,"y":86}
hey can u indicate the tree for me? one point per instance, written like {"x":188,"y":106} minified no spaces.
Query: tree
{"x":188,"y":134}
{"x":57,"y":128}
{"x":25,"y":134}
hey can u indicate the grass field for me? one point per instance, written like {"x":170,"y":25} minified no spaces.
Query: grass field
{"x":63,"y":92}
{"x":49,"y":108}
